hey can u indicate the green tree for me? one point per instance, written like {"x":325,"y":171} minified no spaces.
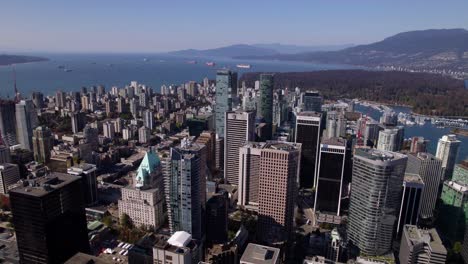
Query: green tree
{"x":107,"y":220}
{"x":125,"y":221}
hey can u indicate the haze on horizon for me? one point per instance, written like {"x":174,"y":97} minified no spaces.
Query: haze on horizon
{"x":159,"y":26}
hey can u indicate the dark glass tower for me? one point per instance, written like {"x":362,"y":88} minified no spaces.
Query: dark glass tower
{"x":265,"y":106}
{"x":226,"y":90}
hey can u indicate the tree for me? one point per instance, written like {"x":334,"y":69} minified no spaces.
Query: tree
{"x":107,"y":220}
{"x":125,"y":221}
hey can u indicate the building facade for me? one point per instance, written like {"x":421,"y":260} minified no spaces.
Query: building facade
{"x":226,"y":90}
{"x":42,"y":144}
{"x":421,"y":246}
{"x":447,"y":151}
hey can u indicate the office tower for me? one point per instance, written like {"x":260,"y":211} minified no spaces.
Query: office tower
{"x":144,"y":135}
{"x":181,"y":93}
{"x":420,"y":246}
{"x":148,"y":120}
{"x":38,"y":100}
{"x":265,"y":103}
{"x":5,"y":156}
{"x":110,"y":107}
{"x":60,"y":99}
{"x":460,"y":173}
{"x":219,"y":152}
{"x":91,"y":134}
{"x":413,"y":187}
{"x":259,"y":254}
{"x":26,"y":121}
{"x":249,"y":175}
{"x":144,"y":201}
{"x":249,"y":100}
{"x":375,"y":199}
{"x":312,"y":101}
{"x":197,"y":125}
{"x":118,"y":124}
{"x":279,"y":168}
{"x":78,"y":121}
{"x":336,"y":125}
{"x":239,"y":128}
{"x":418,"y":144}
{"x":42,"y":144}
{"x":9,"y":175}
{"x":452,"y":218}
{"x":185,"y":188}
{"x":134,"y":106}
{"x":49,"y":218}
{"x":332,"y":183}
{"x":108,"y":130}
{"x":447,"y":151}
{"x":217,"y":218}
{"x":307,"y":132}
{"x":391,"y":139}
{"x":85,"y":100}
{"x":371,"y":133}
{"x":8,"y":122}
{"x":87,"y":172}
{"x":226,"y":89}
{"x":429,"y":168}
{"x":180,"y":248}
{"x":389,"y":118}
{"x":208,"y":138}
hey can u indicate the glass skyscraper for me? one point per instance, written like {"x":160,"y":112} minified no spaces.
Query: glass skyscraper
{"x":226,"y":89}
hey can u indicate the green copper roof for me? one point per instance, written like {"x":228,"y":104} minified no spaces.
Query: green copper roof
{"x":148,"y":165}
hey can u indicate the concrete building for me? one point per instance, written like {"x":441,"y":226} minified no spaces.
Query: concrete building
{"x":249,"y":175}
{"x":452,"y":218}
{"x":226,"y":90}
{"x":332,"y":184}
{"x":148,"y":116}
{"x":144,"y":135}
{"x":429,"y":168}
{"x":336,"y":125}
{"x":418,"y":144}
{"x":307,"y":132}
{"x":108,"y":130}
{"x":42,"y":144}
{"x":219,"y":152}
{"x":447,"y":151}
{"x":180,"y":248}
{"x":26,"y":121}
{"x":9,"y":175}
{"x":279,"y":169}
{"x":46,"y":212}
{"x":375,"y":199}
{"x":208,"y":138}
{"x":87,"y":172}
{"x":259,"y":254}
{"x":239,"y":129}
{"x":391,"y":139}
{"x":421,"y":246}
{"x":60,"y":99}
{"x":78,"y":121}
{"x":413,"y":187}
{"x":460,"y":173}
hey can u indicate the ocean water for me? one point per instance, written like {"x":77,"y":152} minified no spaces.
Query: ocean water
{"x":119,"y":69}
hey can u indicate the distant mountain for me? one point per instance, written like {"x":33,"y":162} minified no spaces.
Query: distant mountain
{"x":293,"y":49}
{"x":15,"y":59}
{"x":434,"y":49}
{"x":229,"y":51}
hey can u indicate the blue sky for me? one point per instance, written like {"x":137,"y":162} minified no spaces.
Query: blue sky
{"x":157,"y":25}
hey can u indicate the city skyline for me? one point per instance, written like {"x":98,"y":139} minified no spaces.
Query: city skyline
{"x":88,"y":26}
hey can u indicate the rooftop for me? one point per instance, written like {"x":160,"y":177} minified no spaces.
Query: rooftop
{"x":459,"y":187}
{"x":284,"y":146}
{"x":334,"y":141}
{"x":255,"y":253}
{"x":41,"y":186}
{"x":429,"y":236}
{"x":82,"y":258}
{"x":378,"y":155}
{"x":309,"y":114}
{"x":412,"y":177}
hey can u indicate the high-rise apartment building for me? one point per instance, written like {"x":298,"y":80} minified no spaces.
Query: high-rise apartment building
{"x":391,"y":139}
{"x":447,"y":151}
{"x":418,"y":144}
{"x":279,"y":169}
{"x":420,"y":246}
{"x":239,"y":129}
{"x":78,"y":121}
{"x":42,"y":143}
{"x":307,"y":132}
{"x":226,"y":90}
{"x":208,"y":138}
{"x":60,"y":99}
{"x":332,"y":182}
{"x":429,"y":168}
{"x":108,"y":130}
{"x":9,"y":175}
{"x":8,"y":122}
{"x":186,"y":189}
{"x":413,"y":187}
{"x":26,"y":121}
{"x":375,"y":199}
{"x":148,"y":120}
{"x":144,"y":135}
{"x":49,"y":218}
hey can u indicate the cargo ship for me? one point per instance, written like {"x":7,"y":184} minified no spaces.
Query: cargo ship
{"x":243,"y":66}
{"x":210,"y":63}
{"x":192,"y":62}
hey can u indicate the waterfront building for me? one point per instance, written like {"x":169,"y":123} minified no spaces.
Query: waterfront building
{"x":460,"y":173}
{"x":447,"y":151}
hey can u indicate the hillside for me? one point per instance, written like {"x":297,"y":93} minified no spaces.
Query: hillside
{"x":434,"y":49}
{"x":229,"y":51}
{"x":427,"y":93}
{"x":15,"y":59}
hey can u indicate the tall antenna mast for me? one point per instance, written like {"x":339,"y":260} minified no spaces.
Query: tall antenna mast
{"x":17,"y":95}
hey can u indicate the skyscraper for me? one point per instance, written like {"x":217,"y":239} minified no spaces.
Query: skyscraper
{"x":452,"y":218}
{"x":420,"y":246}
{"x":279,"y":169}
{"x":429,"y":168}
{"x":307,"y":132}
{"x":185,"y":188}
{"x":265,"y":104}
{"x":249,"y":174}
{"x":78,"y":121}
{"x":336,"y":125}
{"x":208,"y":138}
{"x":148,"y":116}
{"x":42,"y":143}
{"x":413,"y":187}
{"x":49,"y":218}
{"x":109,"y":130}
{"x":447,"y":151}
{"x":418,"y":144}
{"x":38,"y":100}
{"x":312,"y":101}
{"x":60,"y":99}
{"x":391,"y":139}
{"x":8,"y":122}
{"x":375,"y":199}
{"x":5,"y":156}
{"x":332,"y":183}
{"x":9,"y":175}
{"x":144,"y":135}
{"x":87,"y":172}
{"x":26,"y":120}
{"x":239,"y":129}
{"x":226,"y":90}
{"x":217,"y":218}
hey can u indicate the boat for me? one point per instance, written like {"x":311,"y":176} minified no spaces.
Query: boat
{"x":210,"y":63}
{"x":61,"y":67}
{"x":192,"y":62}
{"x":243,"y":66}
{"x":67,"y":70}
{"x":145,"y":59}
